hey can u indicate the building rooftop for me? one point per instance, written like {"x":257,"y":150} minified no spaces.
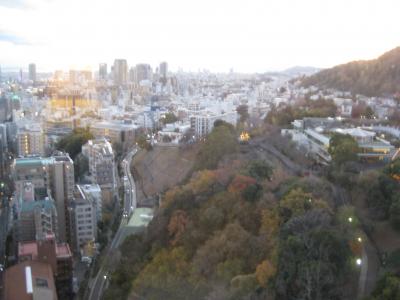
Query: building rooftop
{"x":31,"y":249}
{"x":114,"y":125}
{"x":28,"y":206}
{"x":356,"y":132}
{"x":29,"y":280}
{"x":33,"y":161}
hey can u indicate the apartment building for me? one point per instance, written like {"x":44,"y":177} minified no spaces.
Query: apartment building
{"x":203,"y":122}
{"x":30,"y":141}
{"x":84,"y":220}
{"x":56,"y":174}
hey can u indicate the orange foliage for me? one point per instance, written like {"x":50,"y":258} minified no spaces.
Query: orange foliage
{"x":177,"y":225}
{"x":264,"y":272}
{"x":240,"y":182}
{"x":356,"y":247}
{"x":202,"y":181}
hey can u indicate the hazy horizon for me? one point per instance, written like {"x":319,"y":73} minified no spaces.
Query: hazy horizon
{"x":252,"y":36}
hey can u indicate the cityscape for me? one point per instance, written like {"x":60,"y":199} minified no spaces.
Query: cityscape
{"x":248,"y":178}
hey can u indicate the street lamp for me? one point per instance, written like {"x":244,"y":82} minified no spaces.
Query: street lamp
{"x":358,"y":261}
{"x":350,"y":219}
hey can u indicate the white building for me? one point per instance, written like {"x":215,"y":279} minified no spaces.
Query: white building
{"x":93,"y":193}
{"x":101,"y":165}
{"x":84,"y":219}
{"x":203,"y":122}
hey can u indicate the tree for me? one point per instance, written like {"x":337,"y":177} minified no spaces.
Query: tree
{"x":369,"y":113}
{"x":243,"y":111}
{"x":169,"y":118}
{"x":72,"y":143}
{"x":221,"y":141}
{"x":393,"y":169}
{"x":296,"y":202}
{"x":81,"y":166}
{"x":260,"y":170}
{"x":264,"y":272}
{"x":387,"y":288}
{"x":313,"y":258}
{"x":394,"y":213}
{"x":343,"y":148}
{"x":177,"y":225}
{"x":143,"y":143}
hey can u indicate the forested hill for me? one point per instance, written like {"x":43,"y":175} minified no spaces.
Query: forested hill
{"x":241,"y":227}
{"x":375,"y":77}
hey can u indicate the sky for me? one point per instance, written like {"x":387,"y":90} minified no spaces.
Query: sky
{"x":217,"y":35}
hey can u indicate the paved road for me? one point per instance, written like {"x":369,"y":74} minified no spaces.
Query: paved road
{"x":101,"y":279}
{"x":4,"y":219}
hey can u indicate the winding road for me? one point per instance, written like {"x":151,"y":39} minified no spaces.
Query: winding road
{"x":101,"y":280}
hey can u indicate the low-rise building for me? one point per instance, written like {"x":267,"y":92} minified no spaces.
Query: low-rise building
{"x":29,"y":280}
{"x":122,"y":132}
{"x":57,"y":255}
{"x":314,"y":134}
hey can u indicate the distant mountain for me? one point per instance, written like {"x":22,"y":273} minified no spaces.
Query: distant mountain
{"x":375,"y":77}
{"x":301,"y":70}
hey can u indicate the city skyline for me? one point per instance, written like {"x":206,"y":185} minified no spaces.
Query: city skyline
{"x":258,"y":37}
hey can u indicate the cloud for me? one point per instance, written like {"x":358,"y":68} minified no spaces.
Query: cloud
{"x":255,"y":36}
{"x":9,"y":37}
{"x":13,"y":3}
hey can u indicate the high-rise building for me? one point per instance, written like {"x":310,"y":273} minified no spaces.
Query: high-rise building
{"x":32,"y":72}
{"x":120,"y":71}
{"x":101,"y":164}
{"x":36,"y":214}
{"x":55,"y":173}
{"x":80,"y":76}
{"x":5,"y":109}
{"x":103,"y":71}
{"x":142,"y":72}
{"x":163,"y":69}
{"x":62,"y":187}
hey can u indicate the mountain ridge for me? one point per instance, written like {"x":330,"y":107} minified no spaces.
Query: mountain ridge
{"x":376,"y":77}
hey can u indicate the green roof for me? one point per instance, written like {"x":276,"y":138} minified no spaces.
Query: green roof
{"x":33,"y":161}
{"x":30,"y":205}
{"x":141,"y":217}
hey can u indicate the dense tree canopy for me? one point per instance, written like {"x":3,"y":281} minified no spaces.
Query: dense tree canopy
{"x":169,"y":118}
{"x":320,"y":108}
{"x":72,"y":143}
{"x":221,"y":141}
{"x":343,"y":148}
{"x":243,"y":111}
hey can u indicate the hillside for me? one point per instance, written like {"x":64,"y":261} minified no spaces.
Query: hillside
{"x":241,"y":227}
{"x":375,"y":77}
{"x":161,"y":168}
